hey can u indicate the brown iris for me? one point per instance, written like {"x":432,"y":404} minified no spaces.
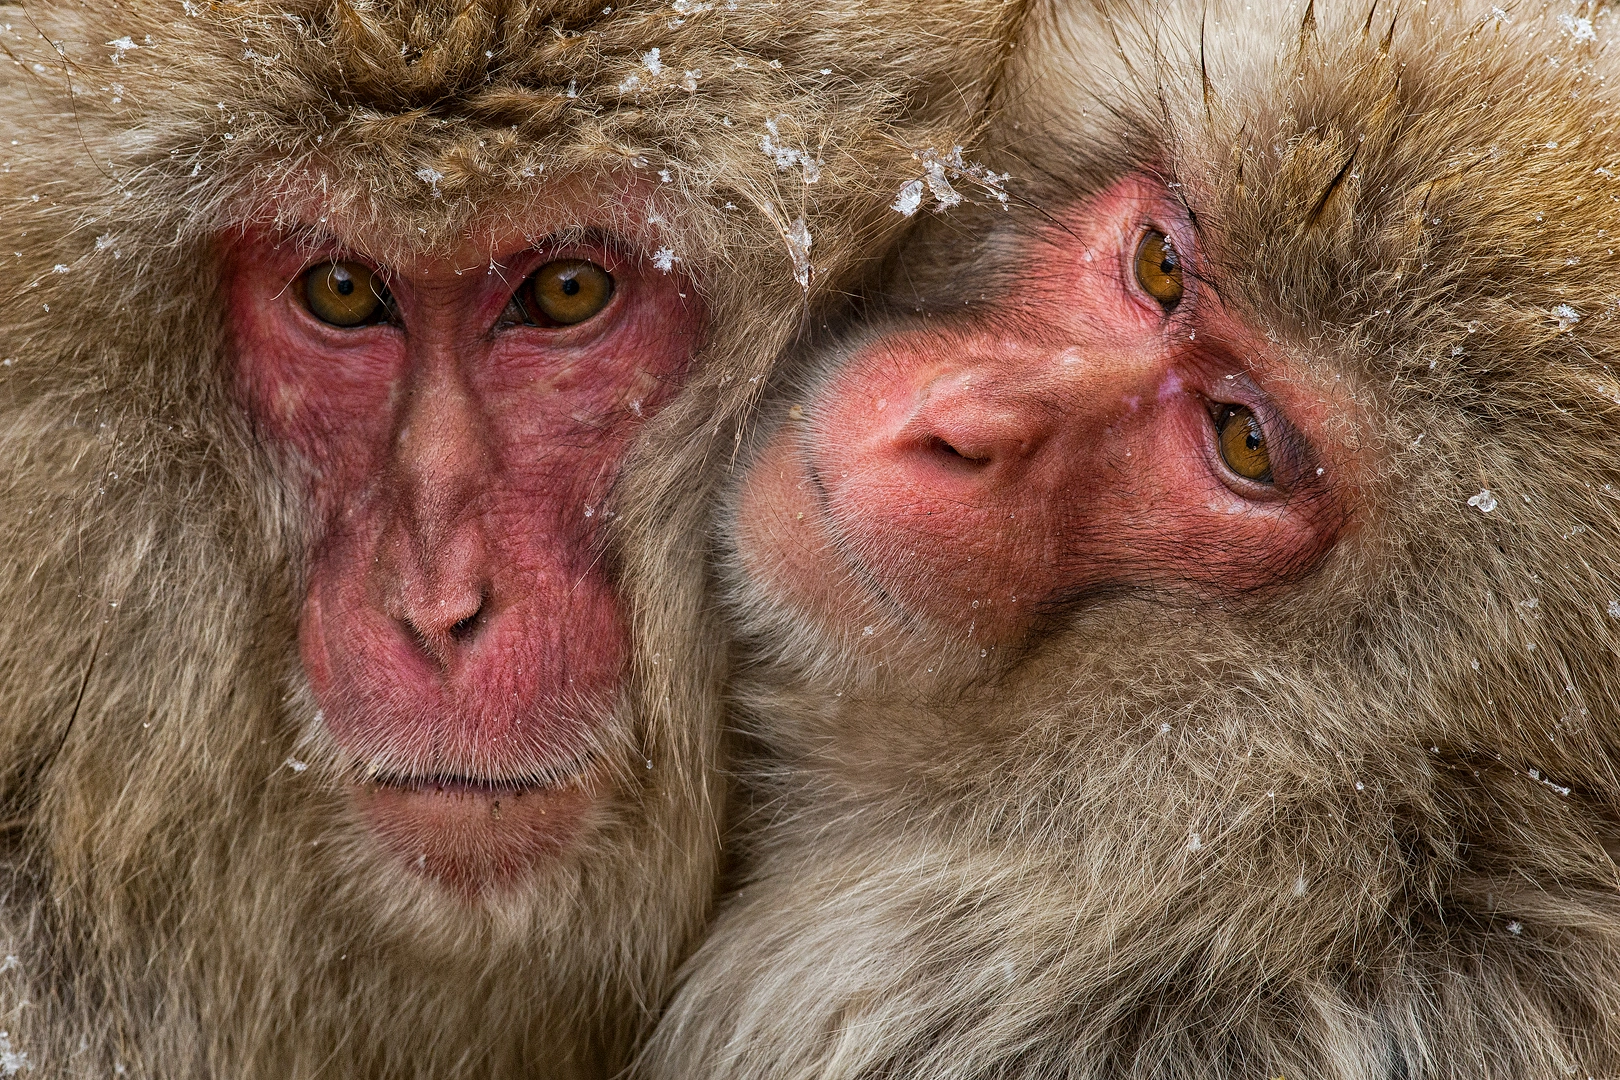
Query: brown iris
{"x":568,"y":291}
{"x":1243,"y":443}
{"x":1158,"y":269}
{"x":344,"y":294}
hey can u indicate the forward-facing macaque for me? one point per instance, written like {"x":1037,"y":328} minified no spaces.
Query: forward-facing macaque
{"x":366,"y":370}
{"x":1184,"y":628}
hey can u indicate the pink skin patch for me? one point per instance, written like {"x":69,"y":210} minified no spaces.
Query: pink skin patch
{"x":459,"y":630}
{"x":1060,"y":441}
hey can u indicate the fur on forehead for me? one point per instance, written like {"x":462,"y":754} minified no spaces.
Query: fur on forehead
{"x":409,"y":123}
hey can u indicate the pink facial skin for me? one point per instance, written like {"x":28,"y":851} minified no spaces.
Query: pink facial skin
{"x":459,"y":631}
{"x":1057,"y":442}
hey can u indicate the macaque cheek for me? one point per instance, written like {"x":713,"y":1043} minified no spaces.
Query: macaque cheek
{"x":782,"y":536}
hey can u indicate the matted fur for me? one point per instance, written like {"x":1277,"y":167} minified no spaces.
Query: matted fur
{"x":179,"y":900}
{"x":1358,"y":829}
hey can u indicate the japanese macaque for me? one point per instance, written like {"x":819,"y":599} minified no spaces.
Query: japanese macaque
{"x":1182,"y":613}
{"x":365,"y":372}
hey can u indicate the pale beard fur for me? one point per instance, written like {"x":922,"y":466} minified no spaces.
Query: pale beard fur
{"x":186,"y":893}
{"x":1356,"y":827}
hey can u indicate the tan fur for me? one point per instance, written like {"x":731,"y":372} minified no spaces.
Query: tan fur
{"x":178,"y":901}
{"x":1400,"y":773}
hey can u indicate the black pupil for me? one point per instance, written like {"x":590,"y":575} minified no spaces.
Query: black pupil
{"x":1252,"y":439}
{"x":345,"y":285}
{"x":570,"y":286}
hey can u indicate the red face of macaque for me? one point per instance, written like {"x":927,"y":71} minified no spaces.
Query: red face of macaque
{"x":462,"y":422}
{"x":1098,"y":422}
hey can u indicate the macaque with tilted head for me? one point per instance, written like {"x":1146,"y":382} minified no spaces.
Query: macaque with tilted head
{"x":1183,"y":611}
{"x":368,"y":366}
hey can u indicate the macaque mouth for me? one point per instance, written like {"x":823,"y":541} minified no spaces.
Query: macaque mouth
{"x":462,"y":784}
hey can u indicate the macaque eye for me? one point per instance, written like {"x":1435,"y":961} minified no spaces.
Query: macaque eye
{"x":1243,"y":443}
{"x":344,"y":294}
{"x":1158,"y":269}
{"x":568,"y":291}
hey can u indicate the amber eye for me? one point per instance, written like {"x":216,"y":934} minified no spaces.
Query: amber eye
{"x":344,"y":294}
{"x":568,"y":291}
{"x":1243,"y":443}
{"x":1158,"y":269}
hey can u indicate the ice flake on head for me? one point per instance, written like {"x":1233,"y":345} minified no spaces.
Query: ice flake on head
{"x":938,"y":172}
{"x":910,"y":198}
{"x":652,"y":63}
{"x":939,"y":185}
{"x":1614,"y":609}
{"x":1579,"y":29}
{"x":664,"y":259}
{"x":430,"y":177}
{"x":798,"y":241}
{"x":121,"y":46}
{"x":786,"y":157}
{"x":12,"y":1061}
{"x":1566,"y":316}
{"x":1484,"y":502}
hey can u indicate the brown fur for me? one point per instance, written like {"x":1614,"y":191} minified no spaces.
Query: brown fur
{"x":1401,"y":772}
{"x":177,"y":900}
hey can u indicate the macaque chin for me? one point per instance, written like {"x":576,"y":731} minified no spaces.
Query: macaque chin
{"x":1105,"y":425}
{"x":460,"y":431}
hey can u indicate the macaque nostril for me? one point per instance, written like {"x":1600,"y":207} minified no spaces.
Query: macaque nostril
{"x":465,"y":630}
{"x":951,"y":455}
{"x":437,"y":628}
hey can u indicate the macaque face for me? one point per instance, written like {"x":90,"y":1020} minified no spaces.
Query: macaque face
{"x":461,"y":422}
{"x":1099,"y":422}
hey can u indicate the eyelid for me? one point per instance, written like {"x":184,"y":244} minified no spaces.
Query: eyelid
{"x":1290,"y":454}
{"x":1180,"y":240}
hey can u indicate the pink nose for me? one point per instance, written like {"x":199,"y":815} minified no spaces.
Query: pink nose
{"x":967,"y":424}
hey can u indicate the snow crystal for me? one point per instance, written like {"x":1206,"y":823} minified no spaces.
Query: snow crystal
{"x":10,"y":963}
{"x":1299,"y":885}
{"x":690,"y":81}
{"x":651,"y":62}
{"x":60,"y":268}
{"x":910,"y":197}
{"x":1515,"y":928}
{"x":1194,"y":841}
{"x":104,"y":241}
{"x":786,"y":156}
{"x":1566,"y":316}
{"x":1579,"y":29}
{"x":295,"y":765}
{"x":938,"y":172}
{"x":1614,"y":609}
{"x":12,"y":1061}
{"x":430,"y":177}
{"x":945,"y":196}
{"x":664,"y":259}
{"x":121,"y":46}
{"x":630,"y":84}
{"x":1484,"y":501}
{"x":798,"y":241}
